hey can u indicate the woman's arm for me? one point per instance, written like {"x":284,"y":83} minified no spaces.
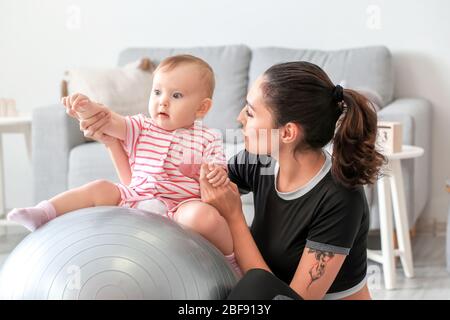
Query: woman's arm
{"x":226,"y":199}
{"x":316,"y":272}
{"x":247,"y":253}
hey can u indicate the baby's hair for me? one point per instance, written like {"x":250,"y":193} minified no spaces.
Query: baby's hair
{"x":172,"y":62}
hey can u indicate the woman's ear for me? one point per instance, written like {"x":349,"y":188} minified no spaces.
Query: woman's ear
{"x":290,"y":133}
{"x":203,"y":108}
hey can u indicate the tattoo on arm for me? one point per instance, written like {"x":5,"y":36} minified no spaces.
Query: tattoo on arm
{"x":318,"y":269}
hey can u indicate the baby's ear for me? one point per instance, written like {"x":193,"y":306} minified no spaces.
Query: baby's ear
{"x":204,"y":108}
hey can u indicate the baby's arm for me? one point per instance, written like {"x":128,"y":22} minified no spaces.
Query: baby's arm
{"x":85,"y":108}
{"x":96,"y":131}
{"x":120,"y":160}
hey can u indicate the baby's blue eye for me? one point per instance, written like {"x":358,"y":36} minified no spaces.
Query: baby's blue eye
{"x":157,"y":92}
{"x":177,"y":95}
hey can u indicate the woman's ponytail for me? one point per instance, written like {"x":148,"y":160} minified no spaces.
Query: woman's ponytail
{"x":355,"y":159}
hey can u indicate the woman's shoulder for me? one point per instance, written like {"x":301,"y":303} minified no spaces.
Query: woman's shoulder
{"x":336,"y":193}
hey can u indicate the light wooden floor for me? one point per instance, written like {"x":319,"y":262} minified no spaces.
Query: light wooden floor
{"x":431,"y":280}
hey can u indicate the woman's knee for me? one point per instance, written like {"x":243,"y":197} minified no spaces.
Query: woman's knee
{"x":253,"y":285}
{"x":258,"y":275}
{"x":261,"y":284}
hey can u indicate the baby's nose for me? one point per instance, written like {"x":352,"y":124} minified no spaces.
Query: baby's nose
{"x":163,"y":101}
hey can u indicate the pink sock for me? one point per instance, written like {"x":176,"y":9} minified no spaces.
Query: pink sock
{"x":232,"y":261}
{"x":33,"y":217}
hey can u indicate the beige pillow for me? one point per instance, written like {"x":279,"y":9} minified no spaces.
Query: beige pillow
{"x":125,"y":90}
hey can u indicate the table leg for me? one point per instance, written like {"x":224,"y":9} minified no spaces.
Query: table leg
{"x":27,"y":134}
{"x":2,"y":191}
{"x":401,"y":218}
{"x":386,"y":232}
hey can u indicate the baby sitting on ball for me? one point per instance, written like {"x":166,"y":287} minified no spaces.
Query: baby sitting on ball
{"x":165,"y":152}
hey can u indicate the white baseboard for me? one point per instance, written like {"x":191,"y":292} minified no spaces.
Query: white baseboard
{"x":432,"y":226}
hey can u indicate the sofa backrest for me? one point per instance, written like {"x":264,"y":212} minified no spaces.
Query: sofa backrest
{"x":236,"y":67}
{"x":230,"y":65}
{"x":368,"y":69}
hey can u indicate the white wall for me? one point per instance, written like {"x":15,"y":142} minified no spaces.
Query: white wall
{"x":39,"y":39}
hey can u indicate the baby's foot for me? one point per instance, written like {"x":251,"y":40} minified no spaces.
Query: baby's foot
{"x":232,"y":261}
{"x":33,"y":217}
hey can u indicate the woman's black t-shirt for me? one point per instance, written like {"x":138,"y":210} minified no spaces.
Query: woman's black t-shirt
{"x":323,"y":215}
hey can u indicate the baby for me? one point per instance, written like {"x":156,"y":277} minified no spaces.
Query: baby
{"x":165,"y":152}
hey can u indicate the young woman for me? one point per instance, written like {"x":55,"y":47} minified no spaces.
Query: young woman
{"x":308,"y":239}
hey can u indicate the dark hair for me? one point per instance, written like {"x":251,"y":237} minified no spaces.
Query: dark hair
{"x":301,"y":92}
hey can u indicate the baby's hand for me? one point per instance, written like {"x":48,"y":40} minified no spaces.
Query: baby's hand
{"x":80,"y":106}
{"x":217,"y":176}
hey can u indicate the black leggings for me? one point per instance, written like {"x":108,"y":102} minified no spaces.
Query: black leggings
{"x":259,"y":284}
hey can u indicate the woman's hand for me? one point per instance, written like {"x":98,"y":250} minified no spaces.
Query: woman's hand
{"x":92,"y":127}
{"x":217,"y":175}
{"x":99,"y":116}
{"x":226,"y":199}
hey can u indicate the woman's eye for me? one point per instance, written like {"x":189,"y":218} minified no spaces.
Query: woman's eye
{"x":157,"y":92}
{"x":177,"y":95}
{"x":248,"y":113}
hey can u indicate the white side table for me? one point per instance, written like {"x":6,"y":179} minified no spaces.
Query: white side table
{"x":391,"y":195}
{"x":20,"y":124}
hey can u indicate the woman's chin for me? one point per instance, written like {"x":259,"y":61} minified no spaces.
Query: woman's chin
{"x":253,"y":150}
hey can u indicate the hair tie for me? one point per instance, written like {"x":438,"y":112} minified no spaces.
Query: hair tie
{"x":338,"y":93}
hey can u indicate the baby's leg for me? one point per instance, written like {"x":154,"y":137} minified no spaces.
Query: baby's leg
{"x":97,"y":193}
{"x":93,"y":194}
{"x":206,"y":220}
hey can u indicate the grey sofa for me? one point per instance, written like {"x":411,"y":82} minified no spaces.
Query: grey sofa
{"x":62,"y":158}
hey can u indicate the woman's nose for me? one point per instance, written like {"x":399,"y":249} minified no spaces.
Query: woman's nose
{"x":241,"y":117}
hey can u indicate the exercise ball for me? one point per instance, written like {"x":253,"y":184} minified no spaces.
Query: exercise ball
{"x":115,"y":253}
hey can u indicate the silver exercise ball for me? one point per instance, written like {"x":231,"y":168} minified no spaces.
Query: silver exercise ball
{"x":115,"y":253}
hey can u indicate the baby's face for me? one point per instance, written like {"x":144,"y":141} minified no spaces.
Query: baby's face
{"x":177,"y":96}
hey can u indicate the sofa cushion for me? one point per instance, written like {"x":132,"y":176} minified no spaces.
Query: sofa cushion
{"x":88,"y":162}
{"x":368,"y":69}
{"x":231,"y":66}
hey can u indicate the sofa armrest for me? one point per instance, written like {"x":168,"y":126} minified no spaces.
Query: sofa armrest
{"x":416,"y":116}
{"x":54,"y":134}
